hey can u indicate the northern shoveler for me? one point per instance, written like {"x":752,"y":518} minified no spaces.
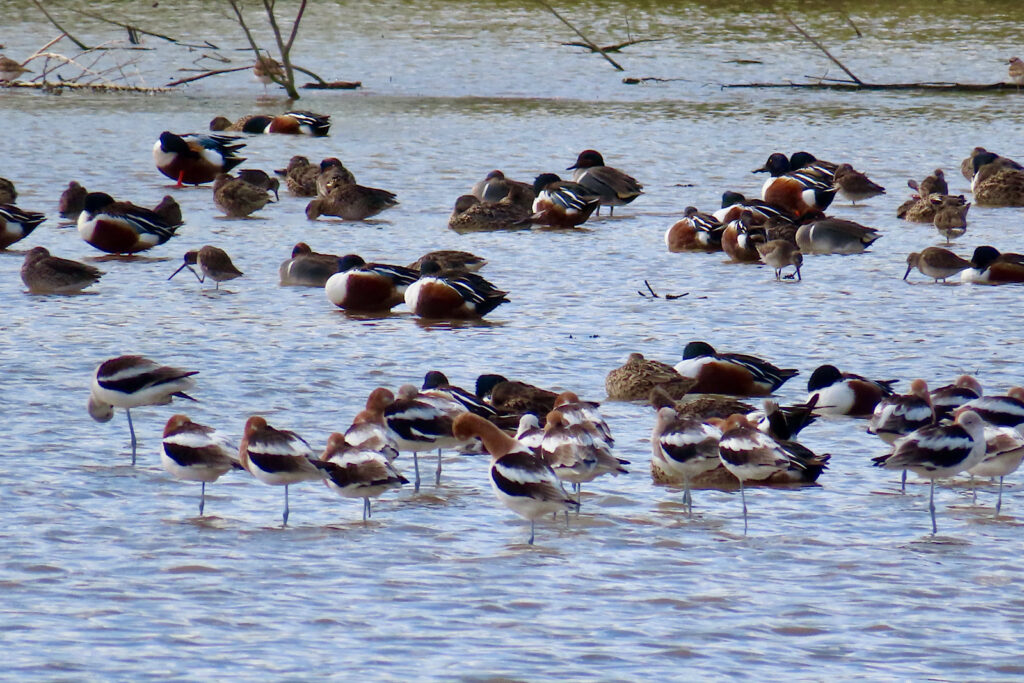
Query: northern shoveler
{"x":990,"y":267}
{"x":521,"y":480}
{"x":735,"y":374}
{"x":835,"y":236}
{"x":436,"y":383}
{"x":121,"y":227}
{"x":72,"y":201}
{"x":196,"y":158}
{"x":46,"y":274}
{"x":300,"y":123}
{"x":561,"y":203}
{"x":307,"y":268}
{"x":451,"y":295}
{"x":778,"y":254}
{"x":614,"y":187}
{"x":695,"y":231}
{"x":278,"y":457}
{"x":351,"y":203}
{"x":300,"y":176}
{"x":134,"y":381}
{"x":635,"y":380}
{"x":214,"y":263}
{"x":854,"y":185}
{"x":238,"y":198}
{"x":740,"y":238}
{"x":733,"y":204}
{"x":939,"y":451}
{"x":359,"y":472}
{"x":686,"y":447}
{"x":843,"y":393}
{"x":936,"y":263}
{"x":17,"y":224}
{"x":195,"y":452}
{"x":362,"y":286}
{"x":472,"y":215}
{"x":797,"y":191}
{"x":332,"y":174}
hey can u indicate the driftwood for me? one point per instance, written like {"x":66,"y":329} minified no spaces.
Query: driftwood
{"x":52,"y":86}
{"x":333,"y":85}
{"x":206,"y":74}
{"x":587,"y":41}
{"x":76,"y":41}
{"x":655,"y":295}
{"x":617,"y":47}
{"x":849,"y":86}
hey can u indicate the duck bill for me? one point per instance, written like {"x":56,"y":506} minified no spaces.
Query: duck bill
{"x":763,"y":169}
{"x":572,"y":168}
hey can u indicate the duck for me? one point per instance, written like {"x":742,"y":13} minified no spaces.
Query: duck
{"x":17,"y":224}
{"x":990,"y":267}
{"x":238,"y":198}
{"x":805,"y":161}
{"x":612,"y":186}
{"x":8,"y":193}
{"x":835,"y":236}
{"x":936,"y":263}
{"x":512,"y":397}
{"x":897,"y":415}
{"x":561,"y":203}
{"x":798,"y":191}
{"x":251,"y":123}
{"x":307,"y":268}
{"x":440,"y":295}
{"x":854,"y":185}
{"x":451,"y":259}
{"x":196,"y":452}
{"x":359,"y":472}
{"x":351,"y":203}
{"x":998,"y":183}
{"x":695,"y":231}
{"x":703,"y":406}
{"x":967,"y":165}
{"x":46,"y":274}
{"x":260,"y":179}
{"x":362,"y":286}
{"x":332,"y":174}
{"x":946,"y":399}
{"x":472,"y":215}
{"x":495,"y":187}
{"x":299,"y":123}
{"x":10,"y":70}
{"x":168,"y":210}
{"x":735,"y":374}
{"x":843,"y":393}
{"x":121,"y":227}
{"x":214,"y":263}
{"x":740,"y":238}
{"x":300,"y":176}
{"x":684,"y":448}
{"x":521,"y":479}
{"x":734,"y":203}
{"x":436,"y":383}
{"x":635,"y":380}
{"x":933,"y":184}
{"x":72,"y":201}
{"x":779,"y":254}
{"x":196,"y":158}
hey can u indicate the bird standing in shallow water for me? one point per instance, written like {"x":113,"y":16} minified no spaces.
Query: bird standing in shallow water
{"x":614,"y":187}
{"x":936,"y":263}
{"x":1016,"y":71}
{"x":46,"y":274}
{"x":778,"y":254}
{"x":359,"y":472}
{"x":195,"y":452}
{"x":213,"y":262}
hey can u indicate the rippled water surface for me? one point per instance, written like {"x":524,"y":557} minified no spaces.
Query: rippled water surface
{"x":106,"y":572}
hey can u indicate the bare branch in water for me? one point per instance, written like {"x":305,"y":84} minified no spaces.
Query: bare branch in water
{"x":591,"y":44}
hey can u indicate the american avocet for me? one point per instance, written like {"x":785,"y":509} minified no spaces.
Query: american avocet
{"x":752,"y":455}
{"x":576,"y":453}
{"x":797,"y":191}
{"x":359,"y":471}
{"x":513,"y":397}
{"x":936,"y":263}
{"x":236,"y":197}
{"x":278,"y":457}
{"x":835,"y":236}
{"x":307,"y":268}
{"x":843,"y":393}
{"x":897,"y":415}
{"x":451,"y":259}
{"x":260,"y":179}
{"x":440,"y":295}
{"x":17,"y":224}
{"x":495,"y":187}
{"x":695,"y":231}
{"x":586,"y":413}
{"x":530,"y":433}
{"x":990,"y":267}
{"x":687,"y":447}
{"x":521,"y":480}
{"x":939,"y":451}
{"x":436,"y":383}
{"x":951,"y":218}
{"x":369,"y":429}
{"x":950,"y":397}
{"x":634,"y":380}
{"x":214,"y":262}
{"x":614,"y":187}
{"x":1002,"y":411}
{"x":351,"y":202}
{"x":362,"y":286}
{"x":196,"y":158}
{"x":472,"y":215}
{"x":195,"y":452}
{"x":418,"y":426}
{"x":1004,"y":450}
{"x":121,"y":227}
{"x":561,"y":203}
{"x":300,"y":176}
{"x":72,"y":201}
{"x":11,"y":70}
{"x":134,"y":381}
{"x":854,"y":185}
{"x":779,"y":254}
{"x":8,"y":193}
{"x":46,"y":274}
{"x":740,"y":238}
{"x":736,"y":374}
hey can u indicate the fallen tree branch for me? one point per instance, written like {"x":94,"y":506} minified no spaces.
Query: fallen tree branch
{"x":333,"y":85}
{"x":848,"y":86}
{"x":821,"y":47}
{"x":617,"y":47}
{"x":591,"y":44}
{"x":76,"y":41}
{"x":649,"y":79}
{"x":129,"y":27}
{"x":96,"y":87}
{"x":207,"y":74}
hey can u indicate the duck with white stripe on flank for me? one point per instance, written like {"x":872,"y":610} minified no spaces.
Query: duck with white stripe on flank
{"x":561,"y":203}
{"x":614,"y":187}
{"x":939,"y":452}
{"x":735,"y":374}
{"x":196,"y":158}
{"x":362,"y":286}
{"x":843,"y":393}
{"x":441,"y":294}
{"x":134,"y":381}
{"x":1004,"y":451}
{"x":359,"y":472}
{"x":307,"y":268}
{"x":17,"y":224}
{"x":417,"y":426}
{"x":752,"y":455}
{"x":685,"y":447}
{"x":195,"y":452}
{"x":278,"y":457}
{"x":520,"y":478}
{"x":990,"y":267}
{"x":121,"y":227}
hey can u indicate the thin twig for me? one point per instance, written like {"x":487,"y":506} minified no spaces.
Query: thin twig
{"x":822,"y":48}
{"x":76,"y":41}
{"x":850,"y":22}
{"x":588,"y":41}
{"x":100,"y":17}
{"x":617,"y":47}
{"x":215,"y":72}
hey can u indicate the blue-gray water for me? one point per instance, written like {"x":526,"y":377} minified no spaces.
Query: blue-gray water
{"x":106,"y":572}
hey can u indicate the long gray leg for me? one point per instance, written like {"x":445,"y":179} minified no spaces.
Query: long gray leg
{"x":202,"y":498}
{"x":285,"y":519}
{"x":931,"y":506}
{"x":743,"y":497}
{"x":131,"y":429}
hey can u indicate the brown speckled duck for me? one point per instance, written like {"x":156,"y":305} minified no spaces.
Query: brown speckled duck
{"x":300,"y":176}
{"x":237,"y":198}
{"x":472,"y":215}
{"x":351,"y":203}
{"x":634,"y":380}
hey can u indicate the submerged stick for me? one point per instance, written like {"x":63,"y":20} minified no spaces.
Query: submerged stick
{"x":617,"y":47}
{"x":76,"y":41}
{"x":214,"y":72}
{"x":821,"y":47}
{"x":591,"y":44}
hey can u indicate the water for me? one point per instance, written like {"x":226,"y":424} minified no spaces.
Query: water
{"x":107,"y":573}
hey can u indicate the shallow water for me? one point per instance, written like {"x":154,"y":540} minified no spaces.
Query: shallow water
{"x":107,"y":572}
